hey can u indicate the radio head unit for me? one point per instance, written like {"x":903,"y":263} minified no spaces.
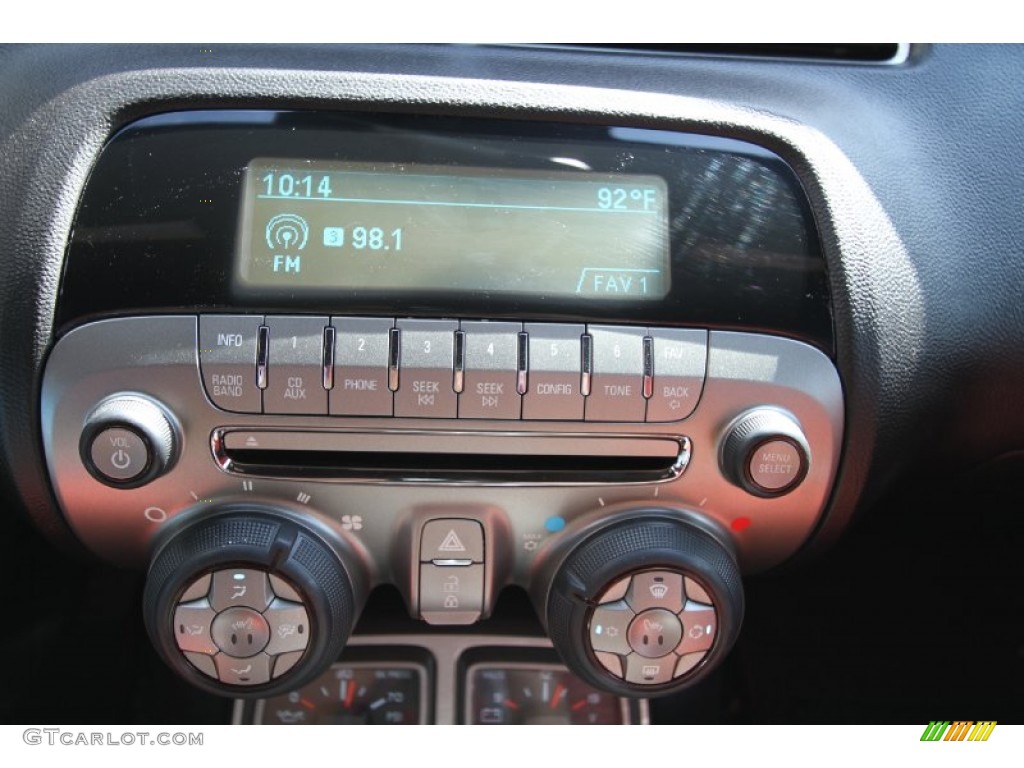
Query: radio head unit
{"x":303,"y":355}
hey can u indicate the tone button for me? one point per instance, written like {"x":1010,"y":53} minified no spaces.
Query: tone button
{"x":616,"y":391}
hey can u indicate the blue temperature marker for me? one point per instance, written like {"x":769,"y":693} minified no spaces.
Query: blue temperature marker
{"x":555,"y":524}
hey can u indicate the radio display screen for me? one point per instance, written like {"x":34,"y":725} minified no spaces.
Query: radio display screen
{"x":321,"y":226}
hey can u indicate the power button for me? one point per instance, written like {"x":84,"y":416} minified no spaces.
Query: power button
{"x":128,"y":440}
{"x":119,"y":454}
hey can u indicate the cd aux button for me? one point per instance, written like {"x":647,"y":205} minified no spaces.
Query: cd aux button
{"x":295,"y":368}
{"x":227,"y":357}
{"x":554,"y":375}
{"x":489,"y":371}
{"x":361,"y":367}
{"x":426,"y":369}
{"x":616,"y":390}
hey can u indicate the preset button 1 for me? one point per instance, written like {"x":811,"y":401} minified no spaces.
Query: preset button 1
{"x":295,"y":371}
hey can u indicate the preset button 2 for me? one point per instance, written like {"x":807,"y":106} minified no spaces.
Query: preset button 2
{"x":361,"y":367}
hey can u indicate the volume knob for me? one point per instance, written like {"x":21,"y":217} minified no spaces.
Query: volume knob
{"x":127,"y":441}
{"x":765,"y":453}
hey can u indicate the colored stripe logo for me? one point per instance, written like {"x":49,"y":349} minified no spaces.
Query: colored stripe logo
{"x":960,"y":730}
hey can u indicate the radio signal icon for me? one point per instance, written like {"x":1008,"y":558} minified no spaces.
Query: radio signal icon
{"x":287,"y":232}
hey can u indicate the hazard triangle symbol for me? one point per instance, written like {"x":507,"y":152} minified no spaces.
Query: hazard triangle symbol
{"x":452,"y":543}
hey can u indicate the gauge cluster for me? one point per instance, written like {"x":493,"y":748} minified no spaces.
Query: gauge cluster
{"x":538,"y":694}
{"x":353,"y":693}
{"x":445,"y":679}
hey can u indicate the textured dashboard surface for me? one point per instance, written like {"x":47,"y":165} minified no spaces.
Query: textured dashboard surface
{"x":913,"y":171}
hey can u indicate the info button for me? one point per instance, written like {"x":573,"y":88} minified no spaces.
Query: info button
{"x":227,"y":356}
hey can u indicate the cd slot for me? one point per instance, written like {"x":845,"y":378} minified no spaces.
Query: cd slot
{"x":514,"y":458}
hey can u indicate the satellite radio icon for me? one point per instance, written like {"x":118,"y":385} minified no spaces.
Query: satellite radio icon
{"x":287,"y":232}
{"x":658,"y":590}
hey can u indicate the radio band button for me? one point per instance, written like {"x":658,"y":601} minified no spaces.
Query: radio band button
{"x":227,"y":356}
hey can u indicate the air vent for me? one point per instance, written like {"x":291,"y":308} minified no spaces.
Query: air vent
{"x":857,"y":53}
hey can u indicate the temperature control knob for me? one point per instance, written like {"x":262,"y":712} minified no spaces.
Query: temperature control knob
{"x":128,"y":440}
{"x":250,"y":603}
{"x":765,"y":453}
{"x":645,"y":607}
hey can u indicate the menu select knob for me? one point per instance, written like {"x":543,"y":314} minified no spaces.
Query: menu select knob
{"x":765,"y":453}
{"x":128,"y":440}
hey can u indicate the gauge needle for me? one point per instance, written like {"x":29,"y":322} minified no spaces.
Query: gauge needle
{"x":511,"y":704}
{"x":350,"y":696}
{"x":578,"y":705}
{"x":307,"y":703}
{"x":559,"y":692}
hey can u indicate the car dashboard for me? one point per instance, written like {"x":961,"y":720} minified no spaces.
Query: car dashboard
{"x":511,"y":384}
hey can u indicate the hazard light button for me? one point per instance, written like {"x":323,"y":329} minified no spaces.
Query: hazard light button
{"x":451,"y":540}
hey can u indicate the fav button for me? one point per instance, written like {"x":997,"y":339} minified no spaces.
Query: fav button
{"x":679,"y":358}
